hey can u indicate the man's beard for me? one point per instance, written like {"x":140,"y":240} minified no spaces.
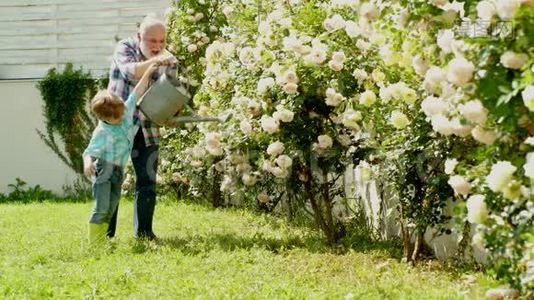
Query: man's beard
{"x":145,"y":50}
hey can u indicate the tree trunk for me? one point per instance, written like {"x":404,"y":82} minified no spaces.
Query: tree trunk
{"x":418,"y":246}
{"x":406,"y":244}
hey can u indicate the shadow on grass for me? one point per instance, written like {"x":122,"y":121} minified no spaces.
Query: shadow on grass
{"x":199,"y":244}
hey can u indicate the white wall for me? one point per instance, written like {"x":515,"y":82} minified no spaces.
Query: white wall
{"x":41,"y":34}
{"x":22,"y":153}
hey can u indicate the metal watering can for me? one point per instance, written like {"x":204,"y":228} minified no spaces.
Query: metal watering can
{"x":166,"y":98}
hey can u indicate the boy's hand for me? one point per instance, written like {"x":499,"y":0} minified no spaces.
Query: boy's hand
{"x":89,"y":169}
{"x":165,"y":59}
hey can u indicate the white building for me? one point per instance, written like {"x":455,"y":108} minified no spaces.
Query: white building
{"x":35,"y":36}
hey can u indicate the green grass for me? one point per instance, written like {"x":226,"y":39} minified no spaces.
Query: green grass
{"x":205,"y":254}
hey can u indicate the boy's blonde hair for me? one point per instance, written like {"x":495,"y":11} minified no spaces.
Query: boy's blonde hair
{"x":106,"y":105}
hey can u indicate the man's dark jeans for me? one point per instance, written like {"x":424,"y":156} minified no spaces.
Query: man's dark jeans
{"x":145,"y":163}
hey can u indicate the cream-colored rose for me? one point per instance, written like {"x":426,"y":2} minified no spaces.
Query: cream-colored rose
{"x":506,"y":8}
{"x":290,"y":88}
{"x":275,"y":148}
{"x":529,"y":166}
{"x":500,"y":175}
{"x":269,"y":124}
{"x":399,"y":120}
{"x":284,"y":161}
{"x":367,"y":98}
{"x":460,"y":185}
{"x":477,"y":211}
{"x":460,"y":71}
{"x":325,"y":141}
{"x":486,"y":9}
{"x":513,"y":60}
{"x":434,"y":106}
{"x":450,"y":164}
{"x":245,"y":127}
{"x":528,"y":97}
{"x":483,"y":136}
{"x":442,"y":125}
{"x":434,"y":78}
{"x":474,"y":112}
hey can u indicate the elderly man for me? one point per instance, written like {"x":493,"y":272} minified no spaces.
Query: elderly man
{"x":131,"y":58}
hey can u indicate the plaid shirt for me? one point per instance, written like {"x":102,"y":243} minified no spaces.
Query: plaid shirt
{"x":121,"y":82}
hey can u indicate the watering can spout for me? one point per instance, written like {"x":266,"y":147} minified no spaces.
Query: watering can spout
{"x":195,"y":118}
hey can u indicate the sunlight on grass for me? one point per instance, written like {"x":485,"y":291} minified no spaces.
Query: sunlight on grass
{"x":202,"y":252}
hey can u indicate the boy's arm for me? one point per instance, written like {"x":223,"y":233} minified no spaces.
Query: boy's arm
{"x":96,"y":148}
{"x":142,"y":85}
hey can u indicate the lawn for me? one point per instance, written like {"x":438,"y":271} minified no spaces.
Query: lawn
{"x":204,"y":254}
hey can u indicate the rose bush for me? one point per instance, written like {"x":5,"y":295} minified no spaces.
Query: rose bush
{"x":436,"y":96}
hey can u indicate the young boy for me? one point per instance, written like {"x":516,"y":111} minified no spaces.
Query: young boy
{"x":108,"y":151}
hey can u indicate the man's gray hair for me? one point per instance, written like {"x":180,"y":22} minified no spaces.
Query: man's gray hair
{"x":151,"y":20}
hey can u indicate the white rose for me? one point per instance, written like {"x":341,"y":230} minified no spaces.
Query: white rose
{"x":215,"y":151}
{"x":248,"y":179}
{"x":459,"y":129}
{"x":399,"y":120}
{"x":316,"y":56}
{"x":263,"y":198}
{"x":506,"y":8}
{"x":290,"y":77}
{"x":367,"y":98}
{"x":213,"y":139}
{"x":369,"y":11}
{"x":334,"y":23}
{"x":227,"y":10}
{"x":333,"y":98}
{"x":438,"y":3}
{"x":474,"y":112}
{"x":279,"y":172}
{"x":528,"y":97}
{"x":283,"y":115}
{"x":245,"y":127}
{"x":500,"y":175}
{"x":359,"y":74}
{"x":325,"y":141}
{"x":284,"y":161}
{"x":352,"y":29}
{"x":290,"y":88}
{"x":460,"y":185}
{"x":450,"y":164}
{"x":442,"y":125}
{"x":433,"y":79}
{"x":477,"y":211}
{"x":270,"y":124}
{"x":434,"y":106}
{"x":335,"y":66}
{"x":460,"y":71}
{"x":513,"y":60}
{"x":420,"y":65}
{"x":363,"y":45}
{"x":264,"y":84}
{"x":483,"y":136}
{"x":275,"y":148}
{"x":445,"y":40}
{"x":351,"y":119}
{"x":192,"y":48}
{"x":486,"y":10}
{"x":529,"y":166}
{"x":339,"y":56}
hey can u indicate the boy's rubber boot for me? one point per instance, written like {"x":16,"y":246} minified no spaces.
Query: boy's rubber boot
{"x":97,"y":234}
